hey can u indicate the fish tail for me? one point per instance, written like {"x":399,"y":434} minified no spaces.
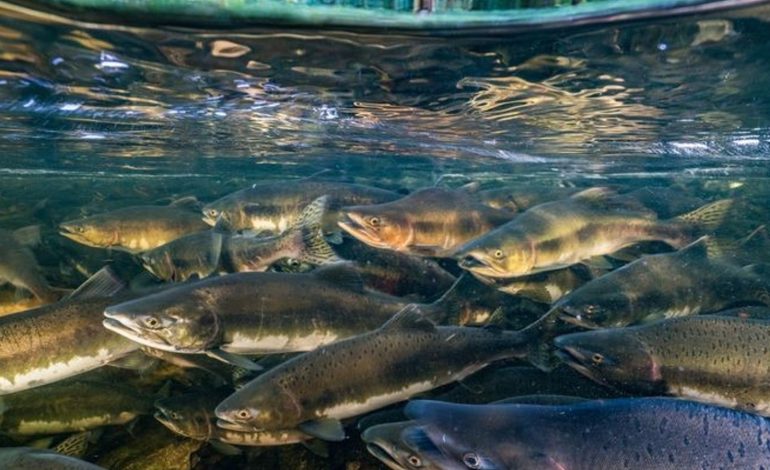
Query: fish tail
{"x":708,"y":217}
{"x":449,"y":309}
{"x":539,"y":341}
{"x":315,"y":249}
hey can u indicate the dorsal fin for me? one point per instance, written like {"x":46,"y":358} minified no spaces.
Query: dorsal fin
{"x":595,"y":194}
{"x":104,"y":283}
{"x":315,"y":250}
{"x":340,"y":274}
{"x":410,"y":318}
{"x":697,"y":249}
{"x":187,"y":202}
{"x":27,"y":236}
{"x":708,"y":217}
{"x":471,"y":188}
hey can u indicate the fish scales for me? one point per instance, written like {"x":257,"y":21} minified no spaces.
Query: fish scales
{"x":708,"y":358}
{"x":404,"y":357}
{"x":646,"y":433}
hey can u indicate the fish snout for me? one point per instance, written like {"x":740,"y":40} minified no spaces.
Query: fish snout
{"x":471,"y":261}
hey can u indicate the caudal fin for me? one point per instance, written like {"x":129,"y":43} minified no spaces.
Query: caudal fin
{"x":708,"y":217}
{"x":540,"y":335}
{"x":315,"y":250}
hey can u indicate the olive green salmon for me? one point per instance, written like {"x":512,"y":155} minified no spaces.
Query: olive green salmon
{"x":255,"y":313}
{"x":406,"y":356}
{"x":18,"y":265}
{"x":192,"y":415}
{"x":694,"y":283}
{"x":71,"y":406}
{"x":707,"y":358}
{"x":589,"y":224}
{"x":133,"y":229}
{"x":60,"y":340}
{"x":428,"y":222}
{"x":274,"y":207}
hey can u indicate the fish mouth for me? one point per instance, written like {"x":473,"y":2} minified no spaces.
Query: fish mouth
{"x":577,"y":359}
{"x":481,"y":267}
{"x":68,"y":230}
{"x":575,"y":317}
{"x":381,"y":453}
{"x":231,"y":426}
{"x":161,"y":417}
{"x":137,"y":335}
{"x":355,"y":225}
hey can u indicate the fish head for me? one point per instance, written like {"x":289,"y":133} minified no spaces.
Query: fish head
{"x":159,"y":263}
{"x":228,"y":212}
{"x":95,"y":231}
{"x":594,"y":306}
{"x":489,"y":256}
{"x":448,"y":437}
{"x":376,"y":226}
{"x":615,"y":357}
{"x":384,"y":442}
{"x":175,"y":320}
{"x":188,"y":422}
{"x":255,"y":407}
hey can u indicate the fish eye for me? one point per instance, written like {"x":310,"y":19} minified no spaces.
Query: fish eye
{"x":174,"y":415}
{"x":498,"y":254}
{"x":152,"y":322}
{"x":293,"y":262}
{"x":243,"y":414}
{"x":414,"y":461}
{"x":374,"y":221}
{"x":212,"y":212}
{"x":597,"y":359}
{"x":591,"y":309}
{"x":471,"y":460}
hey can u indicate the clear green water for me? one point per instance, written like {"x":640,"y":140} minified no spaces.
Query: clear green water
{"x":95,"y":117}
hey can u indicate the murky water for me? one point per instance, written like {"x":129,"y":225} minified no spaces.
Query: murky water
{"x":99,"y":117}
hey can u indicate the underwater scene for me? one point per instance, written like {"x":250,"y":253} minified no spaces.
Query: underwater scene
{"x":331,"y":248}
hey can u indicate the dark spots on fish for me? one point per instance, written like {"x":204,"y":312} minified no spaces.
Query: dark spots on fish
{"x":730,"y":456}
{"x":649,"y":449}
{"x":671,"y":458}
{"x":662,"y":425}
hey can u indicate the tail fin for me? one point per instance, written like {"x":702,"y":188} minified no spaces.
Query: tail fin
{"x":708,"y":217}
{"x":316,"y":250}
{"x":540,"y":352}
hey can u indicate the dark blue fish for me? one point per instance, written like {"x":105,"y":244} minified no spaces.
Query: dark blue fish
{"x":642,"y":433}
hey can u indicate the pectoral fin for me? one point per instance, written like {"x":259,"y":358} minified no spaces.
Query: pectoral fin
{"x":328,"y":429}
{"x":233,"y":359}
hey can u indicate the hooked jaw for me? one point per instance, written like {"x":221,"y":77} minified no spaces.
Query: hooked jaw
{"x":73,"y":231}
{"x":355,"y":224}
{"x":125,"y":325}
{"x":577,"y":358}
{"x":575,"y":317}
{"x":480,"y":265}
{"x":237,"y":419}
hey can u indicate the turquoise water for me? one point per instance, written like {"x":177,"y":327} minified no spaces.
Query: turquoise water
{"x":96,"y":117}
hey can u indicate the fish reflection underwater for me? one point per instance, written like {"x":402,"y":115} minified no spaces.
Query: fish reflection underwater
{"x":299,"y":308}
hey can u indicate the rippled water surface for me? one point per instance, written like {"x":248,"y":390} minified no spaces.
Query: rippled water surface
{"x":96,"y":116}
